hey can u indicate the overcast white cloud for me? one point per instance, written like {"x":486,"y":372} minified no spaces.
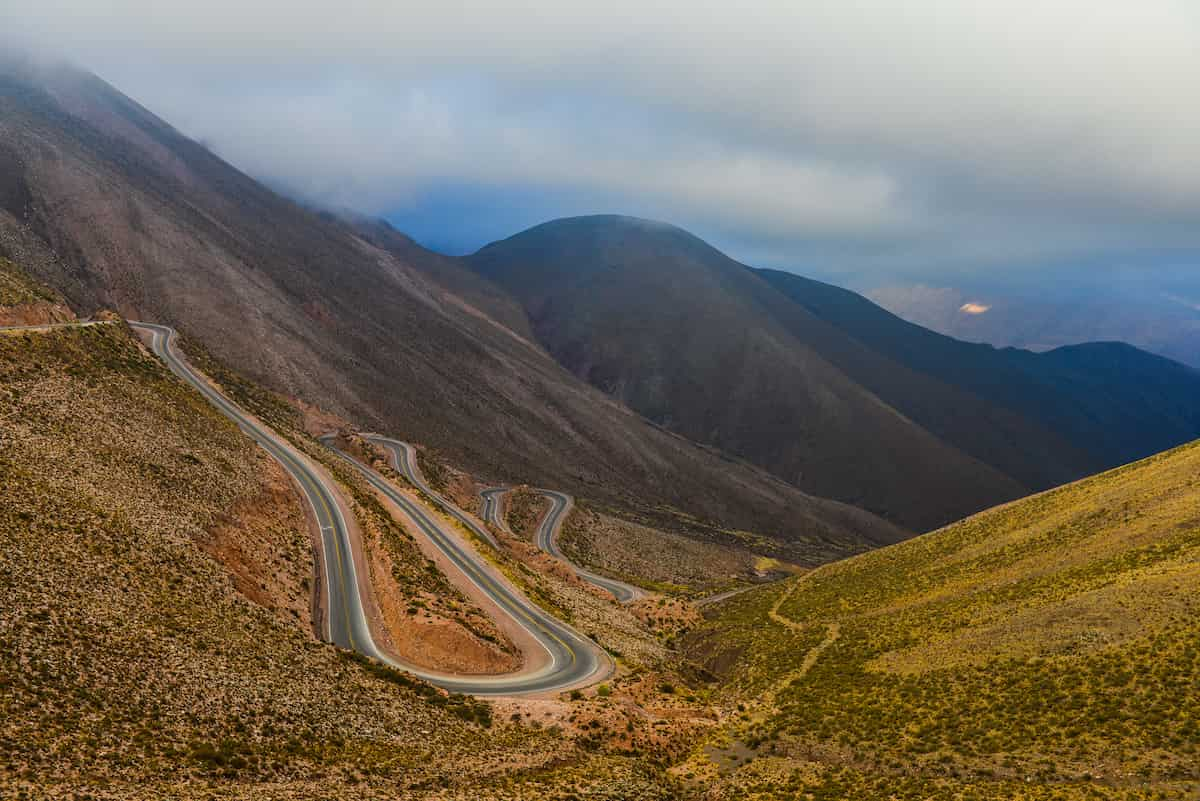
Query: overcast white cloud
{"x":942,"y":132}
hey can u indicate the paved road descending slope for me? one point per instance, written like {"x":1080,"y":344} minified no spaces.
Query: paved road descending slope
{"x":346,"y":624}
{"x":722,"y":596}
{"x":573,"y":660}
{"x":547,"y":538}
{"x":493,"y":503}
{"x":404,"y":459}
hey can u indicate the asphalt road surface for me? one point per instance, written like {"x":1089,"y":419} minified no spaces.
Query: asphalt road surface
{"x":547,"y":538}
{"x":493,"y":500}
{"x":573,"y":659}
{"x":345,"y":623}
{"x":723,"y":596}
{"x":404,"y":459}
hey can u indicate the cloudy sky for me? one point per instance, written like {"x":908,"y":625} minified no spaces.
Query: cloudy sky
{"x":940,"y":141}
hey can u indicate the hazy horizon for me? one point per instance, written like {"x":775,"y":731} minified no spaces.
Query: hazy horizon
{"x":958,"y":146}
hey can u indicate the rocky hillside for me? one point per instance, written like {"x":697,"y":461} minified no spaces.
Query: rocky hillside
{"x":1046,"y":649}
{"x":156,"y":639}
{"x":24,"y":302}
{"x":157,"y":575}
{"x":114,"y":208}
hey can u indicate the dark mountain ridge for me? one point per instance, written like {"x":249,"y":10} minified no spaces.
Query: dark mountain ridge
{"x":114,"y":207}
{"x":820,"y":386}
{"x":1115,"y":403}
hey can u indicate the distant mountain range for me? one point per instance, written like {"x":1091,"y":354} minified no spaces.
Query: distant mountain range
{"x":1158,"y":311}
{"x":622,"y":360}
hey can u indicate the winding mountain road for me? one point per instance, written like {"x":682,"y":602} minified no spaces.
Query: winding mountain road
{"x":572,"y":660}
{"x":345,"y":623}
{"x":493,"y":506}
{"x":404,"y":459}
{"x":723,"y":596}
{"x":547,"y":538}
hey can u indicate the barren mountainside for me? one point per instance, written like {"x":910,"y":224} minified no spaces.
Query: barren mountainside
{"x":1092,"y":406}
{"x":295,"y":508}
{"x":789,"y":374}
{"x":114,"y":208}
{"x":157,"y":640}
{"x":158,"y":574}
{"x":158,"y":631}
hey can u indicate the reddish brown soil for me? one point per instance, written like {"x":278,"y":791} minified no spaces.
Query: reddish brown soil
{"x":264,"y":545}
{"x":40,"y":313}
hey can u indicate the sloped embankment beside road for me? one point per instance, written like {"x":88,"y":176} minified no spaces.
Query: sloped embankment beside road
{"x":23,"y":302}
{"x":153,"y":635}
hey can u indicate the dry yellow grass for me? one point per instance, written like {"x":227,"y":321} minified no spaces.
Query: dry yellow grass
{"x":1052,"y":645}
{"x":129,"y":656}
{"x":24,"y":302}
{"x":154,"y":640}
{"x":523,"y":511}
{"x":16,"y":289}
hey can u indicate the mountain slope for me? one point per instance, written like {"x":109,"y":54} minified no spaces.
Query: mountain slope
{"x":727,"y":355}
{"x":691,"y":339}
{"x":157,"y":636}
{"x":1046,"y":649}
{"x":113,"y":207}
{"x":1112,"y":402}
{"x":157,"y":630}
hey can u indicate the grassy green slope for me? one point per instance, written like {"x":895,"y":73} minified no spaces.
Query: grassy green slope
{"x":1046,"y":649}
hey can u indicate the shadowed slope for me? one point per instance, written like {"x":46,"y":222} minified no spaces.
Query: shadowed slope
{"x":1106,"y":402}
{"x":694,"y":341}
{"x":918,"y":427}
